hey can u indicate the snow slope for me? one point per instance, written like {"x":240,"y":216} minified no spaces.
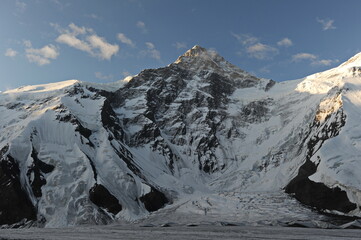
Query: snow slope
{"x":197,"y":136}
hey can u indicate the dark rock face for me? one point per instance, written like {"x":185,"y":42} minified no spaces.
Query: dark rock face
{"x":220,"y":88}
{"x":269,"y":85}
{"x":101,"y":197}
{"x":319,"y":195}
{"x":256,"y":112}
{"x":154,"y":200}
{"x":110,"y":121}
{"x":35,"y":173}
{"x":168,"y":97}
{"x":205,"y":147}
{"x":314,"y":194}
{"x":15,"y":204}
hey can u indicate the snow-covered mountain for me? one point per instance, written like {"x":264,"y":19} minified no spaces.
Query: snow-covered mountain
{"x":74,"y":152}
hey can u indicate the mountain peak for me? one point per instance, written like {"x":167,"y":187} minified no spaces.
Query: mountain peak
{"x":199,"y":58}
{"x":197,"y":52}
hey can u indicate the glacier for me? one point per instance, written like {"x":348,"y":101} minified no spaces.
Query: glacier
{"x":199,"y":137}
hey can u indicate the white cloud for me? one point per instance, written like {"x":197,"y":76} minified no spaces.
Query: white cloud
{"x":105,"y":49}
{"x":303,"y":56}
{"x":79,"y":30}
{"x":180,"y":45}
{"x":56,"y":27}
{"x":327,"y":24}
{"x":254,"y":47}
{"x":150,"y":45}
{"x":325,"y":62}
{"x":314,"y":60}
{"x":124,"y":39}
{"x":37,"y":59}
{"x":286,"y":42}
{"x":74,"y":42}
{"x":152,"y":51}
{"x":261,"y":51}
{"x":141,"y":26}
{"x":100,"y":76}
{"x":245,"y":39}
{"x":43,"y":55}
{"x":10,"y":52}
{"x":85,"y":39}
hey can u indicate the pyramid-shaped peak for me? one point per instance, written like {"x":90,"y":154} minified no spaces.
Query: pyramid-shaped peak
{"x":197,"y":52}
{"x":199,"y":58}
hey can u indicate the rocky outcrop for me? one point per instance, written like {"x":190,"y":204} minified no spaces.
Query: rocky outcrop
{"x":15,"y":204}
{"x":154,"y":200}
{"x":36,"y":173}
{"x":317,"y":194}
{"x":101,"y":197}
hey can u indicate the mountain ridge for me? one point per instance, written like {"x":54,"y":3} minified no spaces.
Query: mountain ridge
{"x":199,"y":128}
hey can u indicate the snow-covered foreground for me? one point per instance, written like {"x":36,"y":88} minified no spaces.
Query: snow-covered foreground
{"x":236,"y":215}
{"x":180,"y":232}
{"x":255,"y":208}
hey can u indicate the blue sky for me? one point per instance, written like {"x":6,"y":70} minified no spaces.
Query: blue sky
{"x":44,"y":41}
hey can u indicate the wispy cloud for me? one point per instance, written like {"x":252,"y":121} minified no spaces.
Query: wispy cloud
{"x":264,"y":69}
{"x":261,"y":51}
{"x":180,"y":45}
{"x":245,"y":39}
{"x":152,"y":51}
{"x":42,"y":56}
{"x":286,"y":42}
{"x":254,"y":47}
{"x":325,"y":62}
{"x":61,"y":4}
{"x":327,"y":24}
{"x":303,"y":56}
{"x":10,"y":53}
{"x":141,"y":26}
{"x":20,"y":6}
{"x":74,"y":42}
{"x":85,"y":39}
{"x":313,"y":59}
{"x":75,"y":30}
{"x":101,"y":76}
{"x":105,"y":49}
{"x":150,"y":45}
{"x":27,"y":43}
{"x":93,"y":16}
{"x":124,"y":39}
{"x":126,"y":74}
